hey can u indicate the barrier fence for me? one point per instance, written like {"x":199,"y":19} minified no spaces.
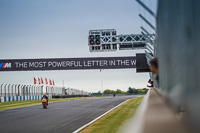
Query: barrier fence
{"x":177,"y":49}
{"x":18,"y":92}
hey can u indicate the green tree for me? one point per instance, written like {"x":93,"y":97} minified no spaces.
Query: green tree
{"x":118,"y":91}
{"x":123,"y":92}
{"x":130,"y":90}
{"x":135,"y":91}
{"x":142,"y":91}
{"x":107,"y":91}
{"x":112,"y":92}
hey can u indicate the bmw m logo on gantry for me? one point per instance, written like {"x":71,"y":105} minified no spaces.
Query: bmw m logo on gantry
{"x":5,"y":65}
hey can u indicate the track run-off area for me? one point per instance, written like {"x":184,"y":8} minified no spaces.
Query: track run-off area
{"x":59,"y":117}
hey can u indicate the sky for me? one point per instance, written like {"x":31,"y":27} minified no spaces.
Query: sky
{"x":59,"y":29}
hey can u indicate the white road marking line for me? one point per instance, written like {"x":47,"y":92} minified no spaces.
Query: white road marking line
{"x":84,"y":126}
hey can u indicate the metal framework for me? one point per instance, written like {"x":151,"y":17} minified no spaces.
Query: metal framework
{"x":110,"y":41}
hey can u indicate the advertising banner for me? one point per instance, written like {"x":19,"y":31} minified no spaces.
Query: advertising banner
{"x":67,"y":63}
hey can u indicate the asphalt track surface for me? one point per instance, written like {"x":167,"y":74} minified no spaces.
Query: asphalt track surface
{"x":59,"y":117}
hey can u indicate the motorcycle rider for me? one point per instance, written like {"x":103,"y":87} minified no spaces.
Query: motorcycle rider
{"x":45,"y":96}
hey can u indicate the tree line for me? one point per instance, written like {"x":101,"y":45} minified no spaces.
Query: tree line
{"x":129,"y":91}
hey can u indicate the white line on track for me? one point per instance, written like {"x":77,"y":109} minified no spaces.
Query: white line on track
{"x":84,"y":126}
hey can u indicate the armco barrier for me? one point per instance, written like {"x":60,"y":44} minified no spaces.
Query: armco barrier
{"x":70,"y":96}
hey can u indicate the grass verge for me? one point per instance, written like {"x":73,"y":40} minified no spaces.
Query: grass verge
{"x":113,"y":121}
{"x":18,"y":104}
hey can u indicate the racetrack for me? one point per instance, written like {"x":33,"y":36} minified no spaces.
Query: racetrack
{"x":59,"y":117}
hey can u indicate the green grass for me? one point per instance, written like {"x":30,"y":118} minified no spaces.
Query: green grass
{"x":18,"y":104}
{"x":113,"y":121}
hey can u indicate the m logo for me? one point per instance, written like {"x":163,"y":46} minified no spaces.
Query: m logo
{"x":5,"y":65}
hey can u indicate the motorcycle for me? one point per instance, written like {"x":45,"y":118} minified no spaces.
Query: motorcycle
{"x":44,"y":103}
